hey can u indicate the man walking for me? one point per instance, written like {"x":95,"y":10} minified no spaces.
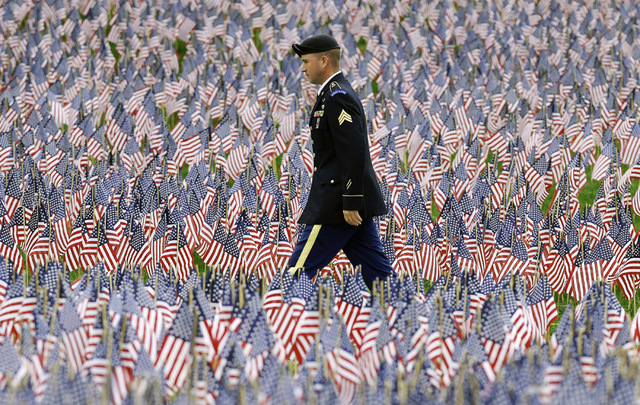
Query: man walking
{"x":344,"y":195}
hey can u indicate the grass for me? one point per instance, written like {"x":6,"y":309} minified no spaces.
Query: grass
{"x":200,"y":265}
{"x":562,"y":302}
{"x":181,"y":49}
{"x":75,"y":274}
{"x":172,"y":120}
{"x":630,"y":306}
{"x":586,"y":196}
{"x":435,"y":212}
{"x":362,"y":44}
{"x":546,"y":204}
{"x":116,"y":54}
{"x":256,"y":38}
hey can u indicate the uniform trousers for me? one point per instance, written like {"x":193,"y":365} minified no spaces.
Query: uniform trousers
{"x":318,"y":245}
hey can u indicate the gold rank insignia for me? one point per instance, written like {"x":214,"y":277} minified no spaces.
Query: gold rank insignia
{"x":344,"y":116}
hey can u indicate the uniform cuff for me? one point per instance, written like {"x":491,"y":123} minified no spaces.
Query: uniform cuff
{"x":352,"y":202}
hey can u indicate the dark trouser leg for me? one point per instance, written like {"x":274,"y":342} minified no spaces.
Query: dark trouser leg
{"x":317,"y":245}
{"x":364,"y":248}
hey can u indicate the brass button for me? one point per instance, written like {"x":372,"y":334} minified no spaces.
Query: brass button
{"x":315,"y":169}
{"x":332,"y":181}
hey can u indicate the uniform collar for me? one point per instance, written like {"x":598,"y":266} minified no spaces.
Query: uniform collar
{"x":327,"y":81}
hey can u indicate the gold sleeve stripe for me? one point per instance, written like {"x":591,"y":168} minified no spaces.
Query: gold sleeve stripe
{"x":352,"y":195}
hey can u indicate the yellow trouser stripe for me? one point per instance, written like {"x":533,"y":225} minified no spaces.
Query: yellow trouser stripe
{"x":307,"y":249}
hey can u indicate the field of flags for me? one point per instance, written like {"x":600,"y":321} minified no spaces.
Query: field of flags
{"x":155,"y":158}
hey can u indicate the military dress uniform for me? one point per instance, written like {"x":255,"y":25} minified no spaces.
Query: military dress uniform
{"x":343,"y":179}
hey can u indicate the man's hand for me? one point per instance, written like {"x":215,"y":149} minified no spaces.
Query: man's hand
{"x":352,"y":217}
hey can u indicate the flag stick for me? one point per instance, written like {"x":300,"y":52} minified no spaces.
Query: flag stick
{"x":107,"y":385}
{"x":155,"y":296}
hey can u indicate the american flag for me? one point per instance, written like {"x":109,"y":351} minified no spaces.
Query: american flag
{"x":113,"y":123}
{"x":174,"y":356}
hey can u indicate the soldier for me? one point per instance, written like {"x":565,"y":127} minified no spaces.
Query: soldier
{"x":344,"y":195}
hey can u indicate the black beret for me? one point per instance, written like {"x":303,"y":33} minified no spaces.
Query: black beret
{"x":316,"y":43}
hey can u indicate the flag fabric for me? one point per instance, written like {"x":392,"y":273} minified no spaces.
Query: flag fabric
{"x":174,"y":356}
{"x":494,"y":339}
{"x":132,"y":140}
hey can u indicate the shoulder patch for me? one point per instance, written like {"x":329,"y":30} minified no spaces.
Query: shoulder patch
{"x":338,"y":92}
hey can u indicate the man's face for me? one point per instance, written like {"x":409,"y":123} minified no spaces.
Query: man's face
{"x":313,"y":66}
